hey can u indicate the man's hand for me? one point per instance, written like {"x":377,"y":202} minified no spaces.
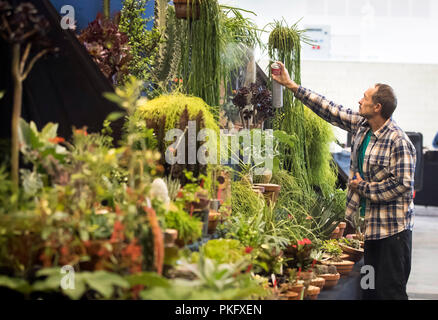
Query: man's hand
{"x":353,"y":184}
{"x":284,"y":78}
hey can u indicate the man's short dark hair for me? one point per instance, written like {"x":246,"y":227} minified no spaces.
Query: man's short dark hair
{"x":386,"y":97}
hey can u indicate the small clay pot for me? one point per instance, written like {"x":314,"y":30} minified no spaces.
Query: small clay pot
{"x":344,"y":267}
{"x":331,"y":280}
{"x":335,"y":233}
{"x":312,"y":292}
{"x":341,"y":226}
{"x":213,"y":220}
{"x":306,"y":275}
{"x":298,"y":288}
{"x":318,"y":282}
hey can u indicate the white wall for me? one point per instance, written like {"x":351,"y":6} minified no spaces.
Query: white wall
{"x":365,"y":30}
{"x":397,"y":44}
{"x":416,"y":87}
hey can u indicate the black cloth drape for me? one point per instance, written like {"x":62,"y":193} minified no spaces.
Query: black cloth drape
{"x":65,"y":87}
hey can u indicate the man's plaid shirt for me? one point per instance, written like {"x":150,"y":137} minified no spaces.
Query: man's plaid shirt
{"x":389,"y":168}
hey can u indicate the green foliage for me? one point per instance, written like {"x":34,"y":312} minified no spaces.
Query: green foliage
{"x":309,"y":160}
{"x":332,"y":248}
{"x":147,"y":279}
{"x":189,"y":227}
{"x":103,"y":282}
{"x":223,"y":250}
{"x":143,"y":43}
{"x":167,"y":66}
{"x":350,"y":242}
{"x":213,"y":281}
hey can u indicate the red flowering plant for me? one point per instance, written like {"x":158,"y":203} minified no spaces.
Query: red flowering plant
{"x":299,"y":251}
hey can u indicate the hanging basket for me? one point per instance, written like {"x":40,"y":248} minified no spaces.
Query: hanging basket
{"x":186,"y":9}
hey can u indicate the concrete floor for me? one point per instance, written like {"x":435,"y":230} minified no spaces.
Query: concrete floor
{"x":423,"y":280}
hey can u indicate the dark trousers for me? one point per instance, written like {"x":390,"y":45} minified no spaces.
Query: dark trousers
{"x":391,"y":260}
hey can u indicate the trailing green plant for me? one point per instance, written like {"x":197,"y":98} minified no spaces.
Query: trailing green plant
{"x":201,"y":63}
{"x":285,"y":45}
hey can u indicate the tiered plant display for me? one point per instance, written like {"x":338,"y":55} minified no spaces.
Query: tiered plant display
{"x":124,"y":218}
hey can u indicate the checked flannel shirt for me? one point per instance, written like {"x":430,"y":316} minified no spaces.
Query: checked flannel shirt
{"x":389,"y":168}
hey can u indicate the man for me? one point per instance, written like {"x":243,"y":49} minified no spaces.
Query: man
{"x":382,"y":181}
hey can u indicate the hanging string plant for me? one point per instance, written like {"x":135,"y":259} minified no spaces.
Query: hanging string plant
{"x":309,"y":160}
{"x":201,"y":65}
{"x":285,"y":45}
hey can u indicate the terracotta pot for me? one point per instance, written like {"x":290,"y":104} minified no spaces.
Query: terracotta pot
{"x":318,"y":282}
{"x":312,"y":292}
{"x":335,"y":233}
{"x":213,"y":220}
{"x":184,"y":10}
{"x":271,"y":192}
{"x":354,"y":254}
{"x":344,"y":267}
{"x":305,"y":275}
{"x":170,"y":236}
{"x":344,"y":256}
{"x":298,"y":288}
{"x":291,"y":295}
{"x":202,"y":204}
{"x":341,"y":226}
{"x":331,"y":280}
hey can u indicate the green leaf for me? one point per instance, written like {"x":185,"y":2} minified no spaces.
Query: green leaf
{"x":113,"y":116}
{"x":104,"y":282}
{"x":79,"y":290}
{"x":17,"y":284}
{"x":49,"y":131}
{"x":2,"y":93}
{"x":148,"y":279}
{"x":113,"y":98}
{"x":52,"y":283}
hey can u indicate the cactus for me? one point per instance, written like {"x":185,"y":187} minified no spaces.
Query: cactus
{"x":169,"y":52}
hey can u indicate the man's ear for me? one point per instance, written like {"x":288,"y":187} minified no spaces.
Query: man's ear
{"x":378,"y":108}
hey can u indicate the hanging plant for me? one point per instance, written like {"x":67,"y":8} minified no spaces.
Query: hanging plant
{"x":187,"y":9}
{"x":201,"y":63}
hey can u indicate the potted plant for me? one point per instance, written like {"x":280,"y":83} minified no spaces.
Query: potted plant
{"x":341,"y":226}
{"x":296,"y":285}
{"x":329,"y":274}
{"x":333,"y":254}
{"x":352,"y":248}
{"x":312,"y":292}
{"x":299,"y":253}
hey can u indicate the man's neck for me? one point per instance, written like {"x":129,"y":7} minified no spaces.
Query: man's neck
{"x":376,"y":123}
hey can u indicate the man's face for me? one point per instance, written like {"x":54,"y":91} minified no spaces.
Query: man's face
{"x":367,"y":108}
